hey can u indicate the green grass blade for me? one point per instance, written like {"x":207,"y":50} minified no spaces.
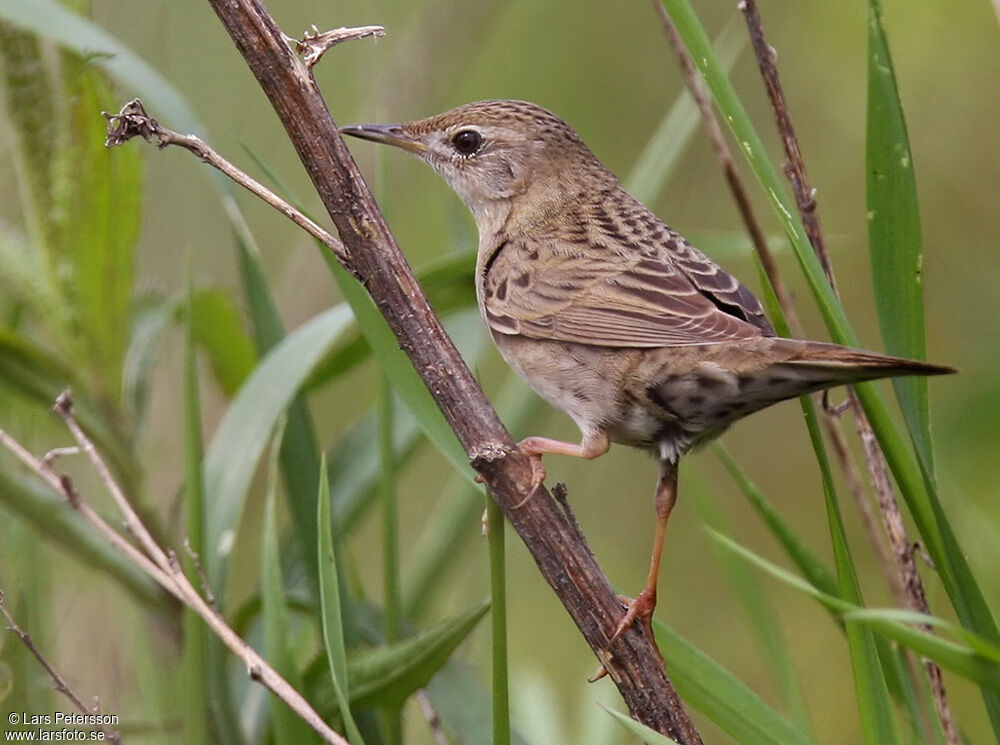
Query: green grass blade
{"x":817,"y":574}
{"x":803,"y":558}
{"x":287,"y":728}
{"x":871,"y":685}
{"x":391,"y":603}
{"x":894,"y":239}
{"x":663,"y":150}
{"x":759,"y":609}
{"x":330,"y":610}
{"x":196,"y":672}
{"x":979,"y":645}
{"x":389,"y":674}
{"x":897,"y":262}
{"x":217,"y":327}
{"x":462,"y":703}
{"x":243,"y":432}
{"x":58,"y":22}
{"x":979,"y":663}
{"x":921,"y":498}
{"x":720,"y":696}
{"x":639,"y":729}
{"x":396,"y":366}
{"x":99,"y":192}
{"x":500,"y":686}
{"x":299,"y":450}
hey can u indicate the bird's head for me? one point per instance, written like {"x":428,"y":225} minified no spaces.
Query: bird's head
{"x":493,"y":152}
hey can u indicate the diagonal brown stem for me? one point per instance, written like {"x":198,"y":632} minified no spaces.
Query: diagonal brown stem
{"x":563,"y":558}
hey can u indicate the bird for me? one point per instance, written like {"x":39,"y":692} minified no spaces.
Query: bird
{"x":605,"y":311}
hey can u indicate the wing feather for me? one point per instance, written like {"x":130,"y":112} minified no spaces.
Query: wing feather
{"x":613,"y":295}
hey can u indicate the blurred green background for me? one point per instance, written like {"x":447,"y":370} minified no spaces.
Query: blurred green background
{"x":606,"y":68}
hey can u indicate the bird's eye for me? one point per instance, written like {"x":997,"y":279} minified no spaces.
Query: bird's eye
{"x":467,"y":141}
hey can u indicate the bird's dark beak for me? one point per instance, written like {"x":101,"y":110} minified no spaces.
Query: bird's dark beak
{"x":388,"y":134}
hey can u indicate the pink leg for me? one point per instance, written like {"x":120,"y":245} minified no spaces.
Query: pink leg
{"x":641,"y":609}
{"x":593,"y":445}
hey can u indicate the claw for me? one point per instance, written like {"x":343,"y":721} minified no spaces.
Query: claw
{"x":537,"y":476}
{"x":641,"y":610}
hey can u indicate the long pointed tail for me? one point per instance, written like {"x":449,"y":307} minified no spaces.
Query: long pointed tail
{"x":846,"y":365}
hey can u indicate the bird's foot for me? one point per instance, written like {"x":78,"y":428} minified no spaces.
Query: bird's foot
{"x":533,"y":448}
{"x":537,"y":469}
{"x":640,"y":609}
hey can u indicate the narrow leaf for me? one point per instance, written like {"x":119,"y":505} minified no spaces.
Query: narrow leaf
{"x":797,"y":550}
{"x":330,"y":605}
{"x":217,"y":327}
{"x":396,"y":366}
{"x":720,"y":696}
{"x":286,"y":726}
{"x":894,"y":240}
{"x":388,"y":675}
{"x":243,"y":432}
{"x":659,"y":158}
{"x":299,"y":449}
{"x":196,"y":668}
{"x":966,"y":661}
{"x":639,"y":729}
{"x":920,"y":494}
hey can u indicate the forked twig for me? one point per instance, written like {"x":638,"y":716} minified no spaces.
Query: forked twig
{"x":58,"y":682}
{"x":315,"y":43}
{"x":133,"y":121}
{"x":161,"y":565}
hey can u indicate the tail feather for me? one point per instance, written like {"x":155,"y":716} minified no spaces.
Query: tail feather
{"x":855,"y":365}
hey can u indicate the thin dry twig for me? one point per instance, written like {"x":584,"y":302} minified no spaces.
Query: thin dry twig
{"x":315,"y":43}
{"x":58,"y":682}
{"x":161,"y":565}
{"x":908,"y":579}
{"x":133,"y":121}
{"x":206,"y":590}
{"x":795,"y":168}
{"x":433,"y":720}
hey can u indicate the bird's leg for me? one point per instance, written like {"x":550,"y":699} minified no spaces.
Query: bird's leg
{"x":642,"y":607}
{"x":594,"y":443}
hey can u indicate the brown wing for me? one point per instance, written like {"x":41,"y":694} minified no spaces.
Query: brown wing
{"x":607,"y":294}
{"x":727,"y":292}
